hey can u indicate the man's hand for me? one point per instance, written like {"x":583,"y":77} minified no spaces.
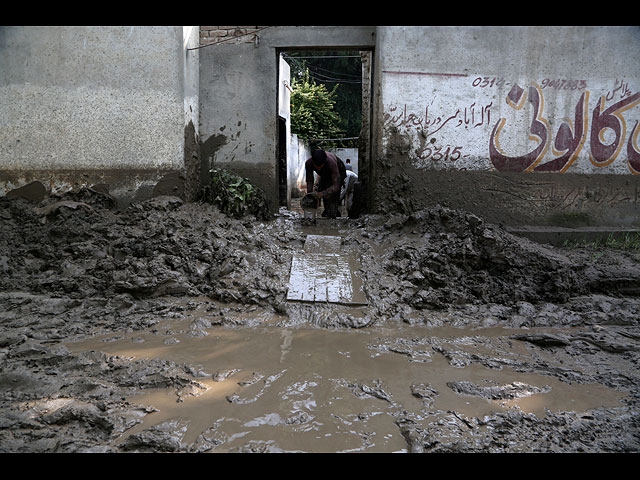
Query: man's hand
{"x":316,"y":195}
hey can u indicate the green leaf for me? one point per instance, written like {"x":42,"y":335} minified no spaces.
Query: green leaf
{"x":235,"y":196}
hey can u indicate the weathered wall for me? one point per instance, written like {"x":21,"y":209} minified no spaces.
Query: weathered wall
{"x":525,"y":125}
{"x":299,"y":152}
{"x":347,"y":153}
{"x":94,"y":105}
{"x":239,"y":88}
{"x":191,"y":107}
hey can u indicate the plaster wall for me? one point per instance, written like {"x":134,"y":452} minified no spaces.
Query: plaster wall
{"x":94,"y":105}
{"x":287,"y":183}
{"x":527,"y":124}
{"x":347,"y":153}
{"x":299,"y":152}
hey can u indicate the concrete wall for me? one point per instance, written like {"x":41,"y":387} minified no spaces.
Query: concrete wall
{"x":95,"y":105}
{"x":525,"y":125}
{"x":299,"y":152}
{"x":191,"y":107}
{"x":239,"y":89}
{"x":347,"y":153}
{"x":296,"y":150}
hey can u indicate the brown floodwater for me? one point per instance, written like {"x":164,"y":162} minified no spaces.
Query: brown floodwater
{"x":310,"y":389}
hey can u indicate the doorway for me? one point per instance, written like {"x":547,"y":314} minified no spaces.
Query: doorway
{"x":340,"y":80}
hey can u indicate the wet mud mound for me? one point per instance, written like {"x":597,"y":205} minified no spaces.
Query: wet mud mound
{"x":81,"y":248}
{"x":56,"y":401}
{"x":77,"y":246}
{"x":442,"y":258}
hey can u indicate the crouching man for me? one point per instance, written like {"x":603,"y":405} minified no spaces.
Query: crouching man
{"x":332,"y":173}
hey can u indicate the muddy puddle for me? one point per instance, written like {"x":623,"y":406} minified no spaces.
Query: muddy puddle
{"x":297,"y":389}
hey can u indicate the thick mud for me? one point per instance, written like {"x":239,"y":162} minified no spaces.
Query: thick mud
{"x":166,"y":328}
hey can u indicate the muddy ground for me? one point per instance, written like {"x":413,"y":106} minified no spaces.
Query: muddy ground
{"x":165,"y":328}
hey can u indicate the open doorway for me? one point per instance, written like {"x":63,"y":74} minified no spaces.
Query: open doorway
{"x":338,"y":120}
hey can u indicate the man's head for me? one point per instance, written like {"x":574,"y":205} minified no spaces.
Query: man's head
{"x":319,"y":157}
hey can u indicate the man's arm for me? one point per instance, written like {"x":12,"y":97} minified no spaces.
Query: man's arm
{"x":309,"y":175}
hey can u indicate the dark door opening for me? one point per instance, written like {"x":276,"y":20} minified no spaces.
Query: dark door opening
{"x":282,"y":161}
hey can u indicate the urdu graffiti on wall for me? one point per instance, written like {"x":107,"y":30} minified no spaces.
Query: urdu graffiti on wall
{"x":471,"y":116}
{"x":594,"y":131}
{"x":468,"y":117}
{"x":607,"y":132}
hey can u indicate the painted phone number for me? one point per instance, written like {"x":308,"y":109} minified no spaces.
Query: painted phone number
{"x":560,"y":84}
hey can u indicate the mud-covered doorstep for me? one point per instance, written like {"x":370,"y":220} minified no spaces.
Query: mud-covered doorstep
{"x":165,"y":327}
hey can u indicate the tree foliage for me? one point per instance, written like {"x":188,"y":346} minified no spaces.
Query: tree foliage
{"x":312,"y":110}
{"x":341,"y":72}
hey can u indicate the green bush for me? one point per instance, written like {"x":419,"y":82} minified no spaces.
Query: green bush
{"x":235,"y":196}
{"x":312,"y":110}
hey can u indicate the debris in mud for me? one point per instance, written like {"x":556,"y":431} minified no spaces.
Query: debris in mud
{"x":601,"y":339}
{"x":516,"y":432}
{"x":364,"y":390}
{"x":151,"y":249}
{"x":165,"y":437}
{"x":53,"y":208}
{"x":223,"y":375}
{"x":497,"y":392}
{"x":443,"y":257}
{"x":436,"y":259}
{"x":424,"y":392}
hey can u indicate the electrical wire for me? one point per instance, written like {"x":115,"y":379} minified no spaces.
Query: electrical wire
{"x":335,"y":80}
{"x":336,"y":73}
{"x":324,"y":56}
{"x":324,"y":69}
{"x":332,"y":139}
{"x":323,"y":77}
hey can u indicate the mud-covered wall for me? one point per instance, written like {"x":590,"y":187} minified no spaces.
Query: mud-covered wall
{"x":239,"y":88}
{"x":524,"y":125}
{"x":81,"y":106}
